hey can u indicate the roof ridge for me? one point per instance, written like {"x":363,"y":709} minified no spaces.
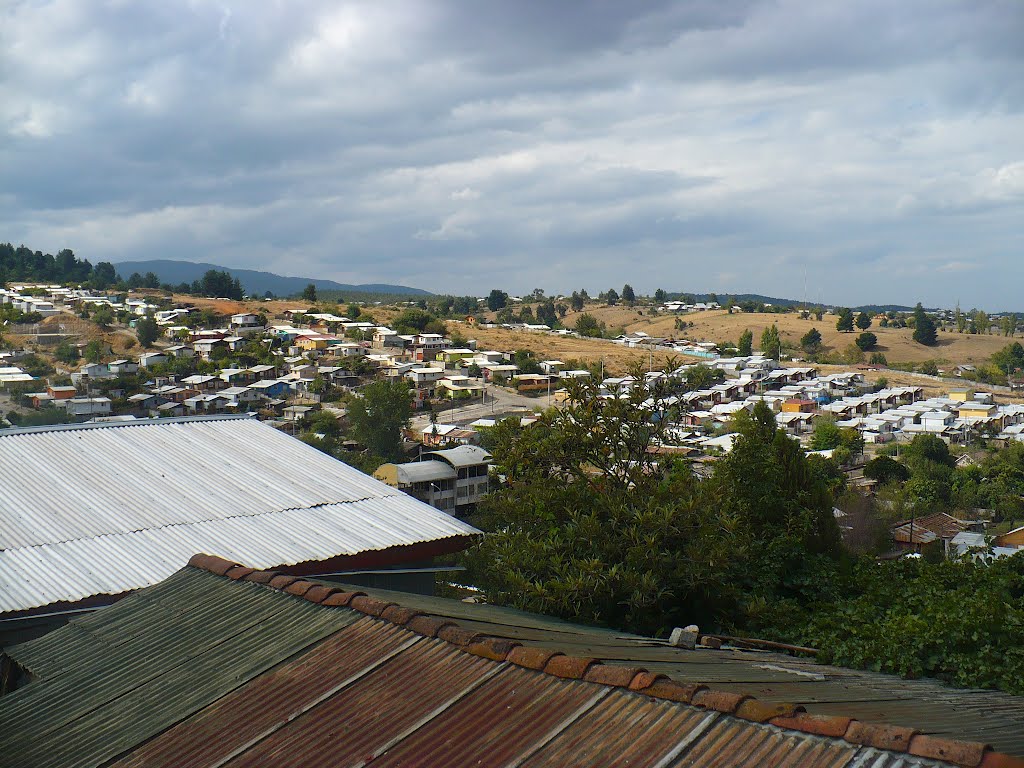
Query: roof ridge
{"x":966,"y":754}
{"x":12,"y":431}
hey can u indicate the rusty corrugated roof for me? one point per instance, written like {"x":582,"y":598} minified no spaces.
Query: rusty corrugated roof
{"x":221,"y":665}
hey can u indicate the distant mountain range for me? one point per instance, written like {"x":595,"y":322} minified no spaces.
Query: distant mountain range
{"x":254,"y":282}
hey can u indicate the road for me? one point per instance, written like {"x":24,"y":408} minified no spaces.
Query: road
{"x":499,"y":402}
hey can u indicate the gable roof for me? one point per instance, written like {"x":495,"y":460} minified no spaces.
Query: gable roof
{"x":269,"y":669}
{"x":104,"y":509}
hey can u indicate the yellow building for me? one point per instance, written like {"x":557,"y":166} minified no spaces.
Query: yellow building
{"x":1014,"y":538}
{"x":961,"y":395}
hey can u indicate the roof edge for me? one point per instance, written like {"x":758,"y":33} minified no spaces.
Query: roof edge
{"x":792,"y":717}
{"x":122,"y":424}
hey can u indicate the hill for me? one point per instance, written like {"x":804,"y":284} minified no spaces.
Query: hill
{"x":256,"y":283}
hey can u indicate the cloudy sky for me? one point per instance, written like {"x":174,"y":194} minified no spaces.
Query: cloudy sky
{"x":849,"y":152}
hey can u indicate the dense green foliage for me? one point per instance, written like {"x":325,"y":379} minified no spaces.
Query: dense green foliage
{"x":378,"y":415}
{"x":771,"y":342}
{"x":21,"y":263}
{"x":589,"y":525}
{"x":960,"y":621}
{"x":845,"y":321}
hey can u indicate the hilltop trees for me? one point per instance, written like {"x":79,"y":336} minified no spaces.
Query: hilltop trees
{"x":628,"y":296}
{"x":309,"y":293}
{"x":845,"y":321}
{"x":612,"y":297}
{"x":863,"y":321}
{"x":497,"y":299}
{"x":924,"y":327}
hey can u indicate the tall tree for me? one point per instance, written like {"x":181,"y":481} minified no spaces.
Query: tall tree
{"x":612,"y":297}
{"x":745,"y":348}
{"x":660,"y":296}
{"x":811,"y":341}
{"x":309,"y":293}
{"x":147,"y":331}
{"x":496,"y":299}
{"x":771,"y":342}
{"x":863,"y":321}
{"x":845,"y":321}
{"x":378,"y":415}
{"x":628,"y":295}
{"x":924,"y":327}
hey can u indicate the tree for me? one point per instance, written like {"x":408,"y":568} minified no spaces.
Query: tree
{"x":886,"y":470}
{"x":612,"y":297}
{"x":309,"y":293}
{"x":103,"y":275}
{"x":589,"y":525}
{"x":588,"y":325}
{"x":94,"y":351}
{"x":866,"y":341}
{"x":1009,"y":325}
{"x":496,"y":300}
{"x":576,"y":301}
{"x":353,"y":311}
{"x":65,"y":353}
{"x":771,"y":342}
{"x":147,"y":331}
{"x":103,"y":315}
{"x":378,"y":415}
{"x":924,"y":328}
{"x":745,"y":347}
{"x":628,"y":295}
{"x":863,"y":321}
{"x":660,"y":296}
{"x":810,"y":342}
{"x":845,"y":321}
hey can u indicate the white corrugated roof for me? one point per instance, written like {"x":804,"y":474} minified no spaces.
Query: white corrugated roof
{"x":102,"y":509}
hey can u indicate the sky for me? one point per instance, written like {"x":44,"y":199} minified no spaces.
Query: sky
{"x":844,"y":152}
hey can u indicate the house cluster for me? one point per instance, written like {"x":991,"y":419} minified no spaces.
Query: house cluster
{"x":683,"y":306}
{"x":60,"y":299}
{"x":956,"y":418}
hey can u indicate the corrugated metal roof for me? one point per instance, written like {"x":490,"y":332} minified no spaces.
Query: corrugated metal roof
{"x":203,"y":670}
{"x":424,"y":472}
{"x":103,"y":509}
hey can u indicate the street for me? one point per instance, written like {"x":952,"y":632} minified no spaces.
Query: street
{"x":499,"y":402}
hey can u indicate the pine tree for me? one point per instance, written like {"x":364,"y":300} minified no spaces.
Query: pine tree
{"x":924,"y":327}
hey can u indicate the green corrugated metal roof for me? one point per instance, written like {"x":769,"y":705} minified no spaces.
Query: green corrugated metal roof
{"x":113,"y":678}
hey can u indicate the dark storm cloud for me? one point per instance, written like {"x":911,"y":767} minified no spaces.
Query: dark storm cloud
{"x":457,"y":146}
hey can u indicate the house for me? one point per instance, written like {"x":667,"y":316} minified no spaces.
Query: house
{"x":491,"y":371}
{"x":270,"y":388}
{"x":119,"y":367}
{"x":87,"y":406}
{"x":181,"y":350}
{"x":246,"y":322}
{"x":450,"y":479}
{"x":939,"y":527}
{"x":235,"y":397}
{"x":973,"y":409}
{"x":205,"y":347}
{"x":229,"y":483}
{"x":169,"y":409}
{"x":203,"y":383}
{"x":149,"y":359}
{"x":448,"y":434}
{"x":260,"y":668}
{"x":61,"y":392}
{"x":798,"y":405}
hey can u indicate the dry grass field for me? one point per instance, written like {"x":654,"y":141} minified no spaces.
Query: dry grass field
{"x":718,"y":326}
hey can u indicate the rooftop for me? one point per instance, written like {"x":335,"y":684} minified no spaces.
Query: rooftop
{"x":71,"y":528}
{"x":266,"y":669}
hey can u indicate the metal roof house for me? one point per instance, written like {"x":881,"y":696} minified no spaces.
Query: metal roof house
{"x":91,"y":512}
{"x":221,"y":665}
